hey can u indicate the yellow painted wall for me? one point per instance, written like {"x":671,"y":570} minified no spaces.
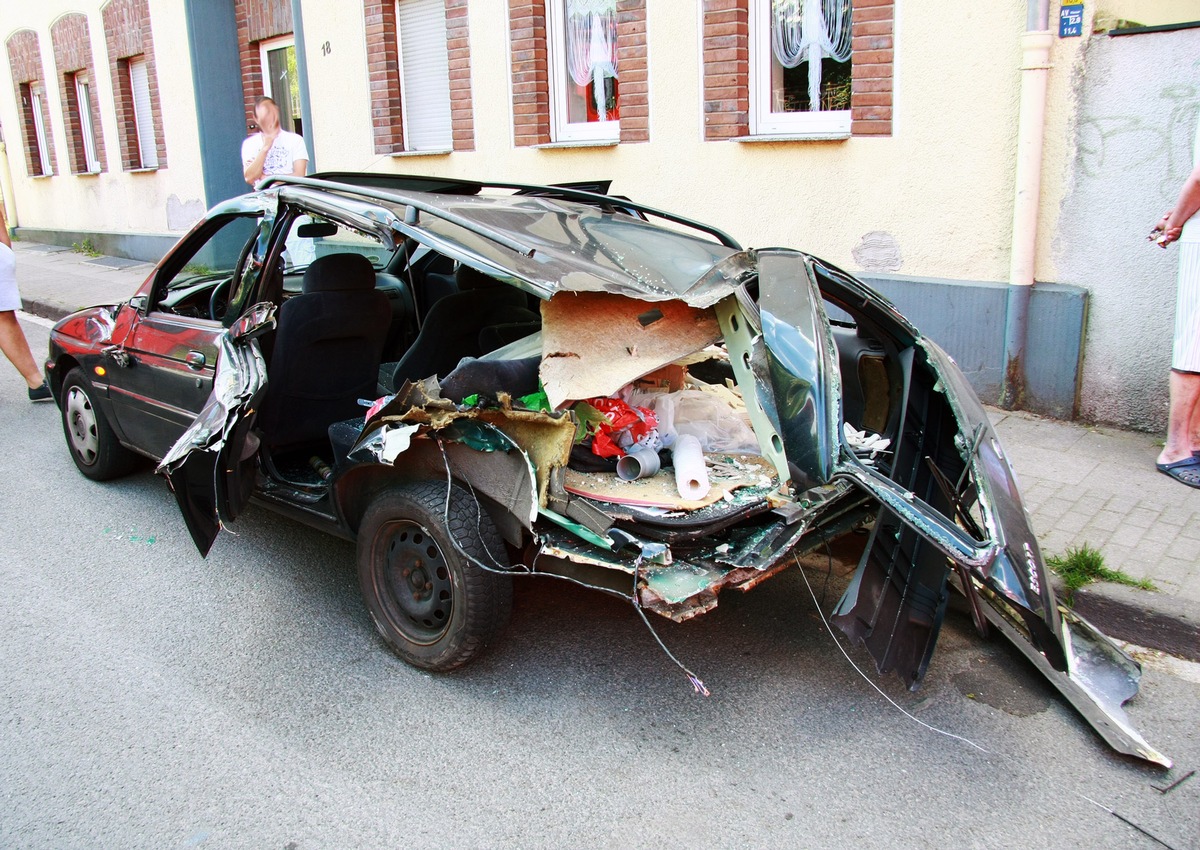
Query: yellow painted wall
{"x":112,"y":201}
{"x":941,"y":185}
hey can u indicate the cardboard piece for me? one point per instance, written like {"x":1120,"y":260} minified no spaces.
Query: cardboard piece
{"x":594,"y":343}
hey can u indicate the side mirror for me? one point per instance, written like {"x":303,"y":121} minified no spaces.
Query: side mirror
{"x":139,"y":303}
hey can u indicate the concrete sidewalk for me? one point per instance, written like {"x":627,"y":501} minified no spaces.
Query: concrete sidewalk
{"x":1081,"y":484}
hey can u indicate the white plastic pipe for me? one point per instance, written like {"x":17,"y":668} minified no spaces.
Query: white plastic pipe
{"x":691,"y":475}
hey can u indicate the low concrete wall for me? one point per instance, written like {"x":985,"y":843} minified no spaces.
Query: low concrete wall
{"x":967,"y":319}
{"x":148,"y":247}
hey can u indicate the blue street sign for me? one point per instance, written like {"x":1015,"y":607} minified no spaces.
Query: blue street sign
{"x":1070,"y":20}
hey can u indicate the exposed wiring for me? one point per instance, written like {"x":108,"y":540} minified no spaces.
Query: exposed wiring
{"x":920,"y":722}
{"x":697,"y":682}
{"x":1124,"y":819}
{"x":866,"y":679}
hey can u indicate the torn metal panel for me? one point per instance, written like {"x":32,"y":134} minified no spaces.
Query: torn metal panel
{"x":744,"y":343}
{"x":546,"y":439}
{"x":1100,"y":679}
{"x":210,"y":466}
{"x":803,"y":364}
{"x":594,"y":343}
{"x":580,"y":248}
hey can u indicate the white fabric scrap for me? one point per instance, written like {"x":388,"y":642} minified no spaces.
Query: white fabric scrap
{"x":863,"y":442}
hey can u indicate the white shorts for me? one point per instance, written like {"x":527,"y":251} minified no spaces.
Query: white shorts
{"x":1186,"y":355}
{"x":10,"y":299}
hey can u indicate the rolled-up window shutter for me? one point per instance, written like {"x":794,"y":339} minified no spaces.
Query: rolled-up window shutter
{"x":425,"y":70}
{"x":143,"y":115}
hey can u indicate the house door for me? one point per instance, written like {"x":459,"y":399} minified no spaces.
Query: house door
{"x":281,"y":81}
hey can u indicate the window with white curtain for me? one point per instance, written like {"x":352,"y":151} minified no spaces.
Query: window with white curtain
{"x":584,"y":97}
{"x":83,"y":100}
{"x":800,"y":67}
{"x":424,"y":75}
{"x":143,"y":113}
{"x":39,"y":129}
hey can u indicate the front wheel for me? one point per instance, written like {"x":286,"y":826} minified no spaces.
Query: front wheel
{"x":434,"y":605}
{"x":97,"y":452}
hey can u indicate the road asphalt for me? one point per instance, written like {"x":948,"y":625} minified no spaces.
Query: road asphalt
{"x":1082,"y":484}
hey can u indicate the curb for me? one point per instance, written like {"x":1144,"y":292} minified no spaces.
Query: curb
{"x":44,"y":310}
{"x":1143,"y":617}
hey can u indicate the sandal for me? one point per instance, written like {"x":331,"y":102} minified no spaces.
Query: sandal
{"x":1186,"y":471}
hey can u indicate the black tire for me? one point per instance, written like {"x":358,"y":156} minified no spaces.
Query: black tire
{"x":93,"y":445}
{"x":434,"y":607}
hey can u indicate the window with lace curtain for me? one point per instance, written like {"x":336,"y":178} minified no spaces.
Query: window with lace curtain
{"x":584,"y":75}
{"x":800,"y":67}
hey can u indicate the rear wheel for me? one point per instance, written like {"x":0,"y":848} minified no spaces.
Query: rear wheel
{"x":94,"y":447}
{"x":434,"y":605}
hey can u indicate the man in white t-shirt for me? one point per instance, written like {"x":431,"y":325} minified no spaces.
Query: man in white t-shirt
{"x":272,"y":150}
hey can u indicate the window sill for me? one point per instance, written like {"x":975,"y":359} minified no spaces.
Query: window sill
{"x":149,"y":170}
{"x":41,"y":176}
{"x":588,"y":143}
{"x":86,"y":173}
{"x":807,"y":137}
{"x":433,"y":152}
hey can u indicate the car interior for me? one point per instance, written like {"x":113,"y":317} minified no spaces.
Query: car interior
{"x":355,"y":321}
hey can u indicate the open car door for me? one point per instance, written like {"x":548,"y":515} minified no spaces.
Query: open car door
{"x":211,"y":466}
{"x":950,"y":511}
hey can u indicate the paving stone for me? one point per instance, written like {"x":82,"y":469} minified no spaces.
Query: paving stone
{"x":1142,"y":517}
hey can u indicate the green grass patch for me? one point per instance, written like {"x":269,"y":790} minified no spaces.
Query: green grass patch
{"x":1082,"y":565}
{"x":85,"y":247}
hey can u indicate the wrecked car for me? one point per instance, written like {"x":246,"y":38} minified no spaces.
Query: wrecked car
{"x":480,"y":381}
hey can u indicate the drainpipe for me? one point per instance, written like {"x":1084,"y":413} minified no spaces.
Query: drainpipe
{"x":1035,"y":69}
{"x":6,"y":189}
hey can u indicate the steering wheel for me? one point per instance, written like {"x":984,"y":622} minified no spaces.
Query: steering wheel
{"x":218,"y":300}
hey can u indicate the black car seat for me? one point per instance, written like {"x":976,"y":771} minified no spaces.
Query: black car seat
{"x":327,"y":350}
{"x":451,"y":329}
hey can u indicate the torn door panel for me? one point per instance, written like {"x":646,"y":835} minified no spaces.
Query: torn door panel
{"x":950,"y":496}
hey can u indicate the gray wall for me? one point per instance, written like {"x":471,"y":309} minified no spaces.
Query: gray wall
{"x":967,"y":320}
{"x":1139,"y":96}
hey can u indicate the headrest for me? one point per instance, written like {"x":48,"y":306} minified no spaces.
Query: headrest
{"x":468,"y":278}
{"x":339,"y":273}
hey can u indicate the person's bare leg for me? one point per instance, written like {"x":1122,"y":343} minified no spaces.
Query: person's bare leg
{"x":1194,"y":428}
{"x":16,"y":349}
{"x":1182,"y":416}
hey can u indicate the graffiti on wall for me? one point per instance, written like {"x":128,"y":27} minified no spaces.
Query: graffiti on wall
{"x":1128,"y":142}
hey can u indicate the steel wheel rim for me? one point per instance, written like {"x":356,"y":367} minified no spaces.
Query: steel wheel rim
{"x":415,"y":582}
{"x":82,"y":430}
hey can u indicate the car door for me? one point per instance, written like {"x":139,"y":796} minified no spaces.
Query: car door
{"x":210,"y":467}
{"x":162,"y":372}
